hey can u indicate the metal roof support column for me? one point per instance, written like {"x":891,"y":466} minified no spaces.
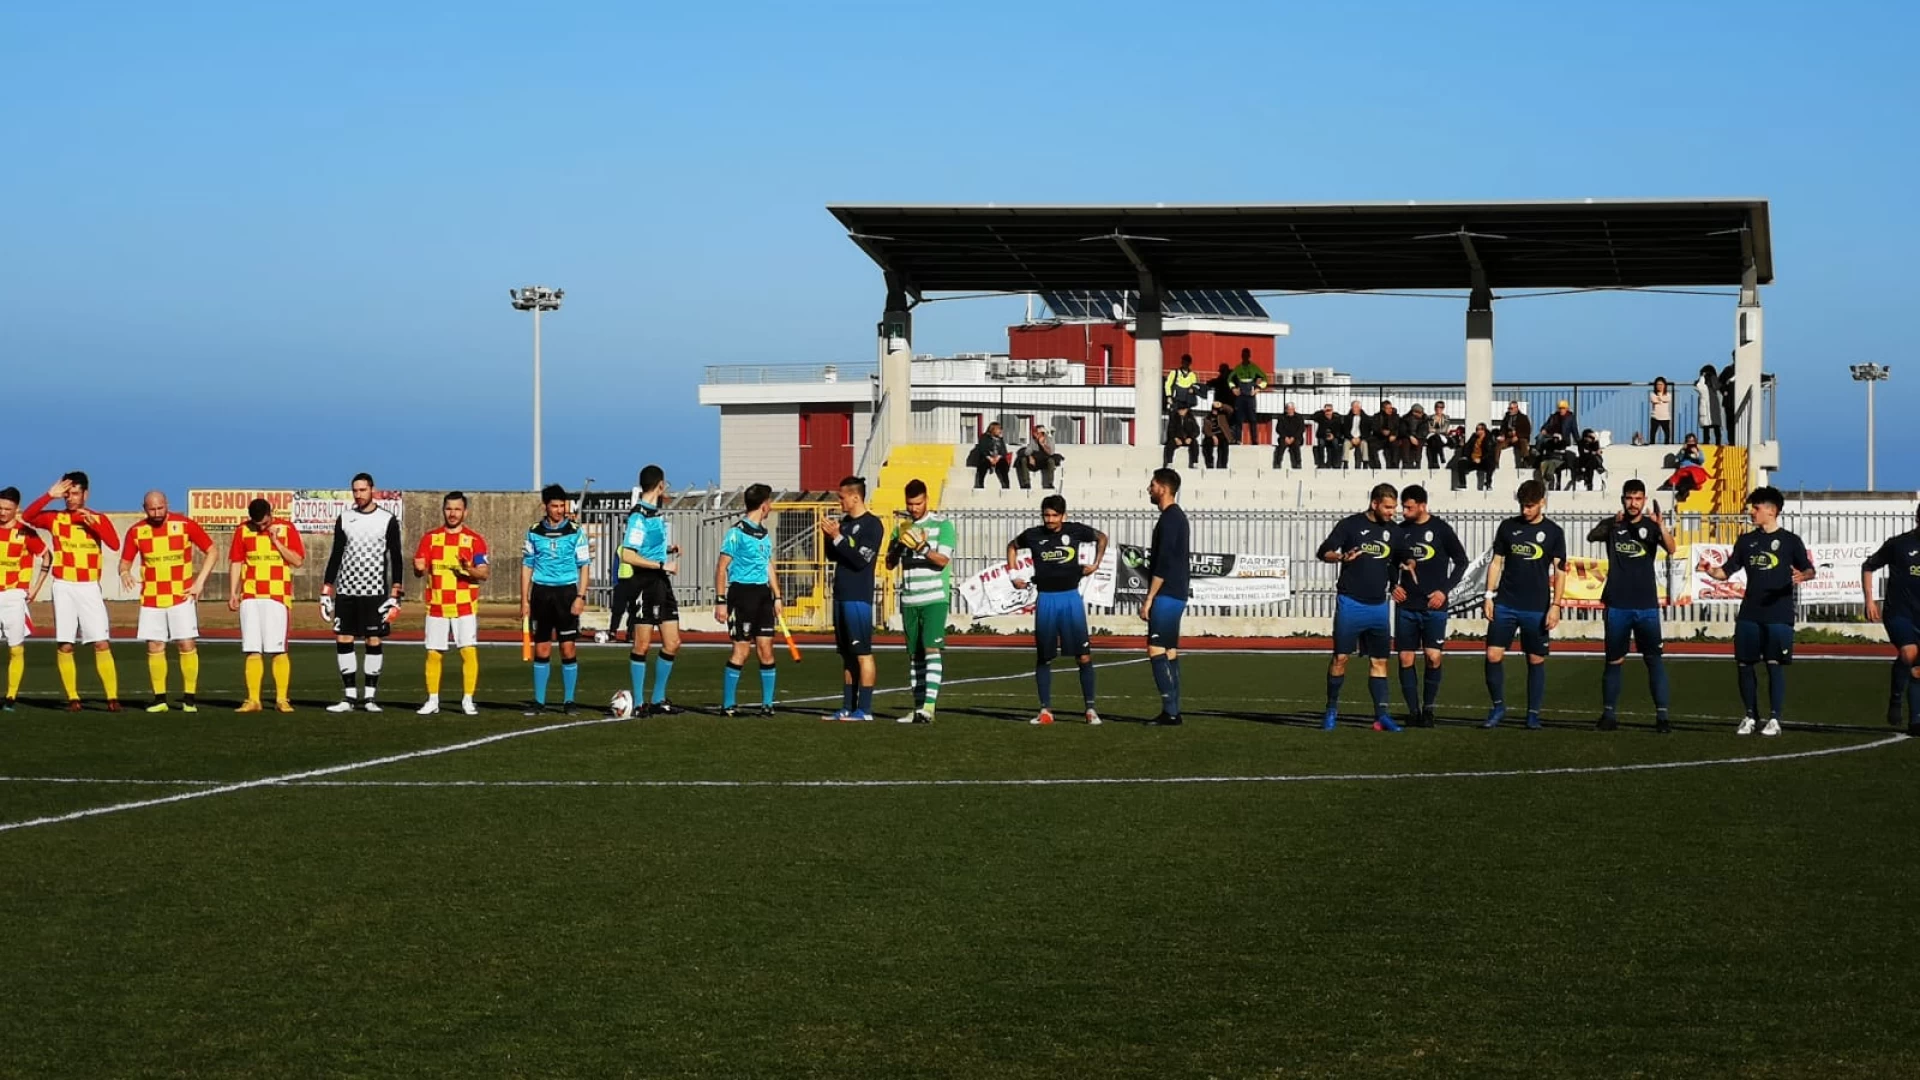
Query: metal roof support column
{"x":896,"y":367}
{"x":1480,"y":405}
{"x":1747,"y":357}
{"x":1148,"y":373}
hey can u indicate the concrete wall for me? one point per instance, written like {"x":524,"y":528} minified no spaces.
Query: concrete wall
{"x":761,"y":445}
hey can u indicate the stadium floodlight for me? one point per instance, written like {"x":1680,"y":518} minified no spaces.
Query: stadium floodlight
{"x":536,"y":298}
{"x":1870,"y":374}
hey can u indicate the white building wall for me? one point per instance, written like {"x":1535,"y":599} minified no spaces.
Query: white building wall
{"x":760,"y":444}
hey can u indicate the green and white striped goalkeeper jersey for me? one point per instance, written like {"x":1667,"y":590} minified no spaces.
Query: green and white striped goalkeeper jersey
{"x":924,"y":583}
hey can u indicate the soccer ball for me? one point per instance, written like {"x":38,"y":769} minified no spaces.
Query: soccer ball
{"x":622,"y":705}
{"x":601,"y":637}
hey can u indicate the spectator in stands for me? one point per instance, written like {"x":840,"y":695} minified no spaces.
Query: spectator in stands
{"x":1690,"y":470}
{"x":1037,"y":456}
{"x":1221,"y":386}
{"x":1182,"y":430}
{"x":1441,"y":436}
{"x":1706,"y":389}
{"x":1479,"y":453}
{"x":1660,"y":411}
{"x":990,"y":456}
{"x":1289,"y":434}
{"x":1554,"y":453}
{"x":1183,"y":384}
{"x":1418,"y":428}
{"x":1588,"y":462}
{"x":1728,"y":412}
{"x":1638,"y":439}
{"x":1329,"y":436}
{"x":1389,"y":428}
{"x":1359,"y":432}
{"x":1248,"y":381}
{"x":1216,"y":433}
{"x":1516,"y":433}
{"x":1563,"y":424}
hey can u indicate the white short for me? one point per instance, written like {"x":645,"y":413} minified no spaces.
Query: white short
{"x":13,"y":617}
{"x":79,"y":612}
{"x":181,"y":622}
{"x":462,"y":630}
{"x":263,"y":626}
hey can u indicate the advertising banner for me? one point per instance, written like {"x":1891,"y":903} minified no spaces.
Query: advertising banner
{"x":314,"y":511}
{"x":1216,"y":580}
{"x":226,"y":508}
{"x":992,"y":591}
{"x":1837,"y":567}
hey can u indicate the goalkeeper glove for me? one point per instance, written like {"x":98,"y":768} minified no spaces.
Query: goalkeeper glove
{"x":326,"y":607}
{"x":388,"y":609}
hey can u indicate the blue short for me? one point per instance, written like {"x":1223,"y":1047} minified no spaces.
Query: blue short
{"x":1361,"y":627}
{"x":1417,"y":628}
{"x":853,"y":627}
{"x":1531,"y":625}
{"x":1636,"y":629}
{"x":1754,"y":642}
{"x":1163,"y":622}
{"x":1901,"y":631}
{"x":1060,"y":625}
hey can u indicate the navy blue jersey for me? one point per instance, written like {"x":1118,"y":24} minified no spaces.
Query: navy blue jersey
{"x":1439,"y":557}
{"x":1056,"y":555}
{"x":853,"y":557}
{"x":1530,"y":553}
{"x":1171,"y":552}
{"x":1769,"y":560}
{"x":1368,"y":577}
{"x":1901,"y":558}
{"x":1632,"y":547}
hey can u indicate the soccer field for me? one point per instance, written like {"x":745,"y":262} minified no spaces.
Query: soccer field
{"x":697,"y":896}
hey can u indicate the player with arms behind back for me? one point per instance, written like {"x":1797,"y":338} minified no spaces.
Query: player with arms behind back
{"x":555,"y":561}
{"x":360,"y":594}
{"x":265,"y":552}
{"x":22,"y":553}
{"x":1774,"y":561}
{"x":922,"y":546}
{"x":453,"y":559}
{"x":79,"y":611}
{"x":749,"y":593}
{"x":1900,"y":556}
{"x":1059,"y":611}
{"x":1632,"y":599}
{"x":169,"y":603}
{"x":1525,"y":581}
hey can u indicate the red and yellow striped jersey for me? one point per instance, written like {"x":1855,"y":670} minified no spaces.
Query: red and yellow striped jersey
{"x":77,"y":543}
{"x":450,"y":595}
{"x":264,"y":574}
{"x":20,"y":551}
{"x":166,"y":564}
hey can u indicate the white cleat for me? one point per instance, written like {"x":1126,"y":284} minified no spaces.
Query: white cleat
{"x":1772,"y":728}
{"x":431,"y":707}
{"x":1093,"y":718}
{"x":372,"y":706}
{"x":341,"y":706}
{"x":1746,"y":727}
{"x":468,"y":706}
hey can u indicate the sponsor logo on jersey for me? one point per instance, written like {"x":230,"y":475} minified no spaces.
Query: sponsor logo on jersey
{"x":1763,"y":560}
{"x":1425,"y":552}
{"x":1632,"y":549}
{"x":1520,"y":549}
{"x":1376,"y":549}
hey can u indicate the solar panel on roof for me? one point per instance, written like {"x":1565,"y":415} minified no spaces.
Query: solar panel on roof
{"x":1100,"y":304}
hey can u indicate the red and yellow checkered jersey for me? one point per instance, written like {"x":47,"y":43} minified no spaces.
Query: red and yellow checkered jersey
{"x":20,"y":551}
{"x":77,"y":544}
{"x":264,"y":574}
{"x":449,"y":595}
{"x":166,"y":564}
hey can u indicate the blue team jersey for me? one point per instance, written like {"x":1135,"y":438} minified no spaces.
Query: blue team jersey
{"x":1171,"y":557}
{"x":1900,"y":556}
{"x":750,"y":547}
{"x":647,"y":533}
{"x":555,"y":553}
{"x":853,"y":557}
{"x":1367,"y":577}
{"x":1056,"y":555}
{"x":1530,"y":553}
{"x":1769,"y":560}
{"x":1438,"y":556}
{"x":1631,"y":549}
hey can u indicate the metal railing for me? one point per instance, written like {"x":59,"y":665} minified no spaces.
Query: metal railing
{"x":751,"y":374}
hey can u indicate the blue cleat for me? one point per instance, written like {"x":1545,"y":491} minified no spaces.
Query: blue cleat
{"x":1331,"y":720}
{"x":1383,"y":722}
{"x":1494,"y":717}
{"x":1533,"y":721}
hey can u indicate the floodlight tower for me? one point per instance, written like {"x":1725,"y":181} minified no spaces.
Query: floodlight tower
{"x":536,"y":298}
{"x":1870,"y":374}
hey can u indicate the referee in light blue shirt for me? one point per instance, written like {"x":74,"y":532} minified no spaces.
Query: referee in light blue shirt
{"x":554,"y":562}
{"x":749,"y":598}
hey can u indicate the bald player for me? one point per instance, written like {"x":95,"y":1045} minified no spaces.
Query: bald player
{"x":170,"y":589}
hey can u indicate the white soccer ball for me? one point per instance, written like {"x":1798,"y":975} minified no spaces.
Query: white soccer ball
{"x":601,"y":637}
{"x":623,"y":704}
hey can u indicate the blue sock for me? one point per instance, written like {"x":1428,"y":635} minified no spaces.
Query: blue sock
{"x":569,"y":678}
{"x":1433,"y":685}
{"x":1497,"y":682}
{"x":637,"y":675}
{"x":866,"y":700}
{"x":1750,"y":689}
{"x":1410,"y":688}
{"x":1777,"y":687}
{"x":1086,"y":683}
{"x":663,"y":670}
{"x":1334,"y":683}
{"x":1162,"y":681}
{"x":849,"y":691}
{"x":541,"y":671}
{"x":766,"y":685}
{"x":1657,"y":681}
{"x":1043,"y":684}
{"x":1902,"y":675}
{"x":1382,"y":691}
{"x":730,"y":686}
{"x":1536,"y":686}
{"x":1610,"y":677}
{"x":1173,"y":676}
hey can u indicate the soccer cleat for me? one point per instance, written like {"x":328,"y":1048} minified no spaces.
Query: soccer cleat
{"x":249,"y":706}
{"x":1895,"y":714}
{"x":469,"y":706}
{"x":1773,"y":726}
{"x":917,"y":716}
{"x":431,"y":707}
{"x":766,"y":710}
{"x":73,"y":705}
{"x":1607,"y":723}
{"x":535,"y":709}
{"x":1331,"y":720}
{"x":568,"y":708}
{"x":344,"y":705}
{"x":1533,"y":721}
{"x":370,"y":705}
{"x":283,"y":706}
{"x":1045,"y":717}
{"x":1746,"y":726}
{"x":158,"y":706}
{"x":859,"y":717}
{"x":1384,"y":722}
{"x":113,"y":706}
{"x":1426,"y":716}
{"x":1166,"y":720}
{"x":664,"y":707}
{"x":1662,"y":725}
{"x":730,"y":711}
{"x":839,"y":716}
{"x":1093,"y":718}
{"x":7,"y":705}
{"x":189,"y":705}
{"x":1494,"y":716}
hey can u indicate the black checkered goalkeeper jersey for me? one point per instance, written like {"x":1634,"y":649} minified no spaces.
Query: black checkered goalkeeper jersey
{"x":365,"y":560}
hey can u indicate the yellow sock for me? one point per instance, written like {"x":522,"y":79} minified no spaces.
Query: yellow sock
{"x":156,"y":671}
{"x":256,"y":668}
{"x":433,"y":674}
{"x":282,"y":674}
{"x":469,"y":670}
{"x":190,"y":672}
{"x":110,"y":675}
{"x":69,"y":676}
{"x":16,"y":668}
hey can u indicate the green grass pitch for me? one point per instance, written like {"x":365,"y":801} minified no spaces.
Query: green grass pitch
{"x":579,"y":902}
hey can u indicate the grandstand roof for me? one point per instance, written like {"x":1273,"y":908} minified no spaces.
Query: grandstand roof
{"x":1318,"y":247}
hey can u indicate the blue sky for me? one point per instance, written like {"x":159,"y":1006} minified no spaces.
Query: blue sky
{"x":253,"y":245}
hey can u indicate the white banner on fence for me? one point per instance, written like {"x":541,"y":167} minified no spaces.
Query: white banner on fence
{"x":1837,"y":580}
{"x":992,"y":592}
{"x":1250,"y":580}
{"x":314,"y":511}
